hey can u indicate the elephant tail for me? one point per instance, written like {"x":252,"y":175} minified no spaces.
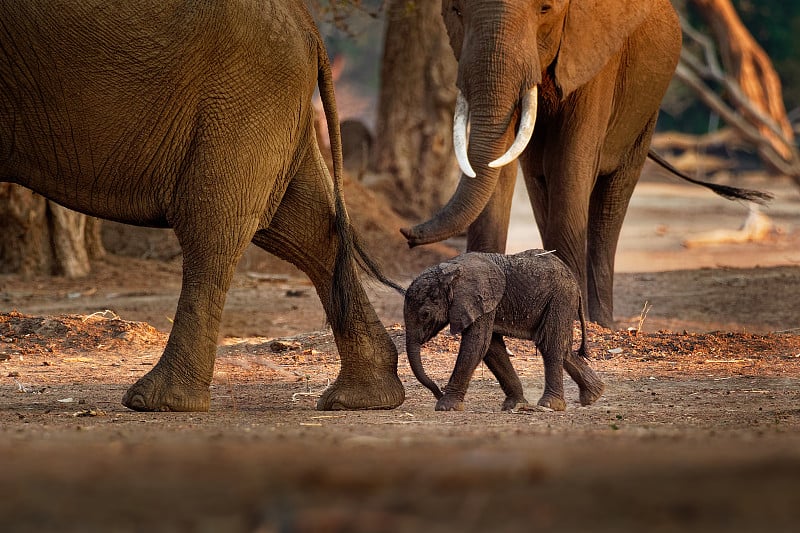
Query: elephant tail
{"x":726,"y":191}
{"x":342,"y":226}
{"x":350,"y":246}
{"x":583,"y":351}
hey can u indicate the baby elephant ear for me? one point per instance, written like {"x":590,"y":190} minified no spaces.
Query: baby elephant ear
{"x":477,"y":289}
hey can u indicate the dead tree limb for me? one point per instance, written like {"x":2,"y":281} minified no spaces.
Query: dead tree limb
{"x":754,"y":105}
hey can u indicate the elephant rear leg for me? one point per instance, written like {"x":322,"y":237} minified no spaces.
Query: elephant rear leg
{"x":589,"y":383}
{"x":553,"y":337}
{"x":302,"y":231}
{"x":553,"y":395}
{"x":590,"y":386}
{"x":499,"y":364}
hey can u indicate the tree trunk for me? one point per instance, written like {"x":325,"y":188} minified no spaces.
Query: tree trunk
{"x":40,"y":237}
{"x":414,"y":146}
{"x":747,"y":62}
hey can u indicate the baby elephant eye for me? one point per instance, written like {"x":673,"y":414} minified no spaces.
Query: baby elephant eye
{"x":546,"y":8}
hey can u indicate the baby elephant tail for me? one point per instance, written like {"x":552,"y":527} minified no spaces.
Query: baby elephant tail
{"x":583,"y":351}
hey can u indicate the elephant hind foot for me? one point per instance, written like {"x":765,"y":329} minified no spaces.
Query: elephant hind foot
{"x":590,"y":385}
{"x":354,"y":394}
{"x":154,"y":393}
{"x":450,"y":403}
{"x":511,"y":403}
{"x":551,"y":401}
{"x":591,"y":392}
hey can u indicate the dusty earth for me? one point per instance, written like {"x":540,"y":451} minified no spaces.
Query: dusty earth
{"x":698,"y":429}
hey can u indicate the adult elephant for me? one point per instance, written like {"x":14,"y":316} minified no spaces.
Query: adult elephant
{"x":589,"y":75}
{"x":195,"y":116}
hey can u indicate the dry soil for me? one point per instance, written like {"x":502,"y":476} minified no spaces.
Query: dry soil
{"x":698,"y":429}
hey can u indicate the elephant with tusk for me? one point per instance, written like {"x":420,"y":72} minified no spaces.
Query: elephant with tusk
{"x":570,"y":89}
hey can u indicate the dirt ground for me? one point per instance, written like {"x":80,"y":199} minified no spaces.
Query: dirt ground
{"x":698,"y":429}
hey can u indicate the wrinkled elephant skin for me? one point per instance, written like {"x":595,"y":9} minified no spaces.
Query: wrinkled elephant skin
{"x":195,"y":116}
{"x":585,"y":78}
{"x":483,"y":296}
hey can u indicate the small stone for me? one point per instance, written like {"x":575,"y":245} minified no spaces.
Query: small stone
{"x":283,"y":346}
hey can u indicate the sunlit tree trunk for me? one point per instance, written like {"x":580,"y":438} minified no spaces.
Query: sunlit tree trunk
{"x":414,"y":147}
{"x":40,"y":237}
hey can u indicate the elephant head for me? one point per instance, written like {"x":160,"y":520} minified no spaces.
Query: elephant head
{"x":515,"y":56}
{"x":457,"y":292}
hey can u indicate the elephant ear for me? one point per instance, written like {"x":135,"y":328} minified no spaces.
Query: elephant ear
{"x":477,"y":286}
{"x":594,"y":30}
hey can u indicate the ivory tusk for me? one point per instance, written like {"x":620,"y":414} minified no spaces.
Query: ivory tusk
{"x":525,"y":132}
{"x":460,"y":122}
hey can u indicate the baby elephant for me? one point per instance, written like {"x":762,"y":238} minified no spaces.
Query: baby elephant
{"x":483,"y":296}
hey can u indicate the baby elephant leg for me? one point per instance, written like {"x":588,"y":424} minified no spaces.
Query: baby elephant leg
{"x":500,"y":365}
{"x":474,"y":345}
{"x":553,"y":395}
{"x":589,"y":383}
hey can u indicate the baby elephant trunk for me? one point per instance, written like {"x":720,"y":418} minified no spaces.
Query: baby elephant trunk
{"x":415,"y":361}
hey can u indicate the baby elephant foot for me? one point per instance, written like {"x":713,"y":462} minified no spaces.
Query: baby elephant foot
{"x":590,"y":385}
{"x":511,"y":403}
{"x":153,"y":392}
{"x":590,"y":393}
{"x":449,"y":403}
{"x":551,"y":401}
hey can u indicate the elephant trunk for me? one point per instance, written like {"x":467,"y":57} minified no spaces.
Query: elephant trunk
{"x":415,"y":362}
{"x":487,"y":148}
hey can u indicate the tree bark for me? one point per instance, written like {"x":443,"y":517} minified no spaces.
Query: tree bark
{"x":24,"y":239}
{"x":414,"y":146}
{"x":40,"y":237}
{"x":745,"y":60}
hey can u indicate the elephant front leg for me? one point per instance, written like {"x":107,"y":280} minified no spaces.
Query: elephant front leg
{"x":181,"y":379}
{"x":499,"y":364}
{"x":474,"y":344}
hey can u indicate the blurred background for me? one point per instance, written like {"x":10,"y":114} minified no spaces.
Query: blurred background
{"x":731,"y":115}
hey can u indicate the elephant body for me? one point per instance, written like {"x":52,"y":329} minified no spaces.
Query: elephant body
{"x":582,"y":80}
{"x":483,"y":296}
{"x":196,"y":116}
